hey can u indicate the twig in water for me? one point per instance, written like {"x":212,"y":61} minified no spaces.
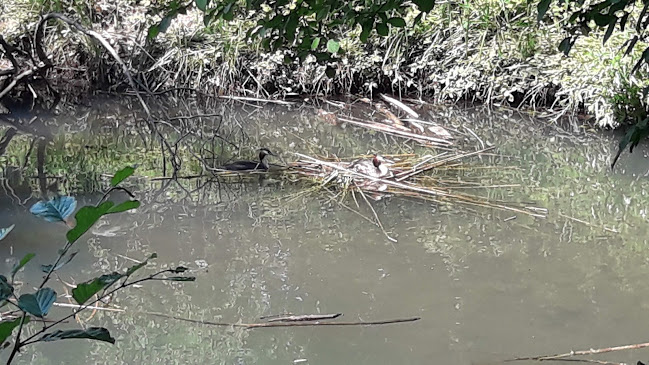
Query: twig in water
{"x":286,"y":324}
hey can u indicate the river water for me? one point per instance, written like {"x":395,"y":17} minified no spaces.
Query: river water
{"x":488,"y":285}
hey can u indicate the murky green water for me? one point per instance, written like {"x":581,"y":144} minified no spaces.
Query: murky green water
{"x":487,"y":287}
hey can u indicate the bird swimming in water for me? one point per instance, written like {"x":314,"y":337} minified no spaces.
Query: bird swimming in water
{"x":262,"y":164}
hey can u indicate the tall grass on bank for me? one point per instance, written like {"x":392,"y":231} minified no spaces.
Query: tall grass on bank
{"x":489,"y":51}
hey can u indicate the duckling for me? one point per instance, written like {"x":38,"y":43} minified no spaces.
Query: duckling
{"x":250,"y":165}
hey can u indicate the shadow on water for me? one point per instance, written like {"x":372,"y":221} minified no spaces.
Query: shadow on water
{"x":487,"y":286}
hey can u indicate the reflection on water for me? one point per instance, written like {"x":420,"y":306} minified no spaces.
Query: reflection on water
{"x":486,"y":286}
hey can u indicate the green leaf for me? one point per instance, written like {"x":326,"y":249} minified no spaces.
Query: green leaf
{"x":330,"y":72}
{"x":37,"y":304}
{"x":602,"y":19}
{"x":397,"y":22}
{"x":153,"y":32}
{"x":137,"y":267}
{"x":20,"y":264}
{"x":123,"y":207}
{"x":122,"y":174}
{"x":542,"y":8}
{"x":47,"y":268}
{"x":315,"y":43}
{"x":382,"y":29}
{"x":366,"y":29}
{"x":566,"y":45}
{"x":7,"y":327}
{"x":92,"y":333}
{"x":6,"y":290}
{"x":643,"y":58}
{"x":610,"y":29}
{"x":202,"y":4}
{"x":179,"y":270}
{"x":165,"y":23}
{"x":180,"y":278}
{"x":333,"y":46}
{"x":85,"y":291}
{"x":425,"y":5}
{"x":86,"y":217}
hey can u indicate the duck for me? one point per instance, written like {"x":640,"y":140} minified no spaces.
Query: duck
{"x":374,"y":168}
{"x":262,"y":164}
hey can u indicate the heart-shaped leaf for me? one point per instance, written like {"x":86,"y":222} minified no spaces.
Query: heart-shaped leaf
{"x":92,"y":333}
{"x":333,"y":46}
{"x":19,"y":265}
{"x":5,"y":231}
{"x":38,"y":304}
{"x":86,"y":217}
{"x":122,"y":174}
{"x":8,"y":326}
{"x":56,"y":209}
{"x":85,"y":291}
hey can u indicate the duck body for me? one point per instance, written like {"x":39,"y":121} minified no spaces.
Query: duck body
{"x":262,"y":164}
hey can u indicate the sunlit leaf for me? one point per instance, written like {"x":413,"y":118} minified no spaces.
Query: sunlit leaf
{"x":333,"y":46}
{"x":37,"y":304}
{"x":20,"y":264}
{"x":47,"y":268}
{"x":56,"y":209}
{"x":315,"y":43}
{"x":86,"y":217}
{"x":85,"y":291}
{"x":92,"y":333}
{"x":7,"y":327}
{"x":5,"y":231}
{"x":122,"y":174}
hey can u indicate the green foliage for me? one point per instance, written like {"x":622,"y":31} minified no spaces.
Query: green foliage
{"x":85,"y":291}
{"x":121,"y":175}
{"x":299,"y":25}
{"x":19,"y":265}
{"x":7,"y":327}
{"x":606,"y":15}
{"x":37,"y":304}
{"x":92,"y":333}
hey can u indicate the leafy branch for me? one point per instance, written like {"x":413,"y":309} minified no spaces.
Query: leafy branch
{"x":38,"y":304}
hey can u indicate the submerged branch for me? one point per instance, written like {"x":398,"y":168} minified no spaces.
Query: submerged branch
{"x":286,"y":324}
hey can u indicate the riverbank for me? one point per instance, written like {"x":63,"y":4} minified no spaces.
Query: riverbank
{"x":484,"y":52}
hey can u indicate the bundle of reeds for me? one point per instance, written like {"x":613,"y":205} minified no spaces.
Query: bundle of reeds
{"x":408,"y":176}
